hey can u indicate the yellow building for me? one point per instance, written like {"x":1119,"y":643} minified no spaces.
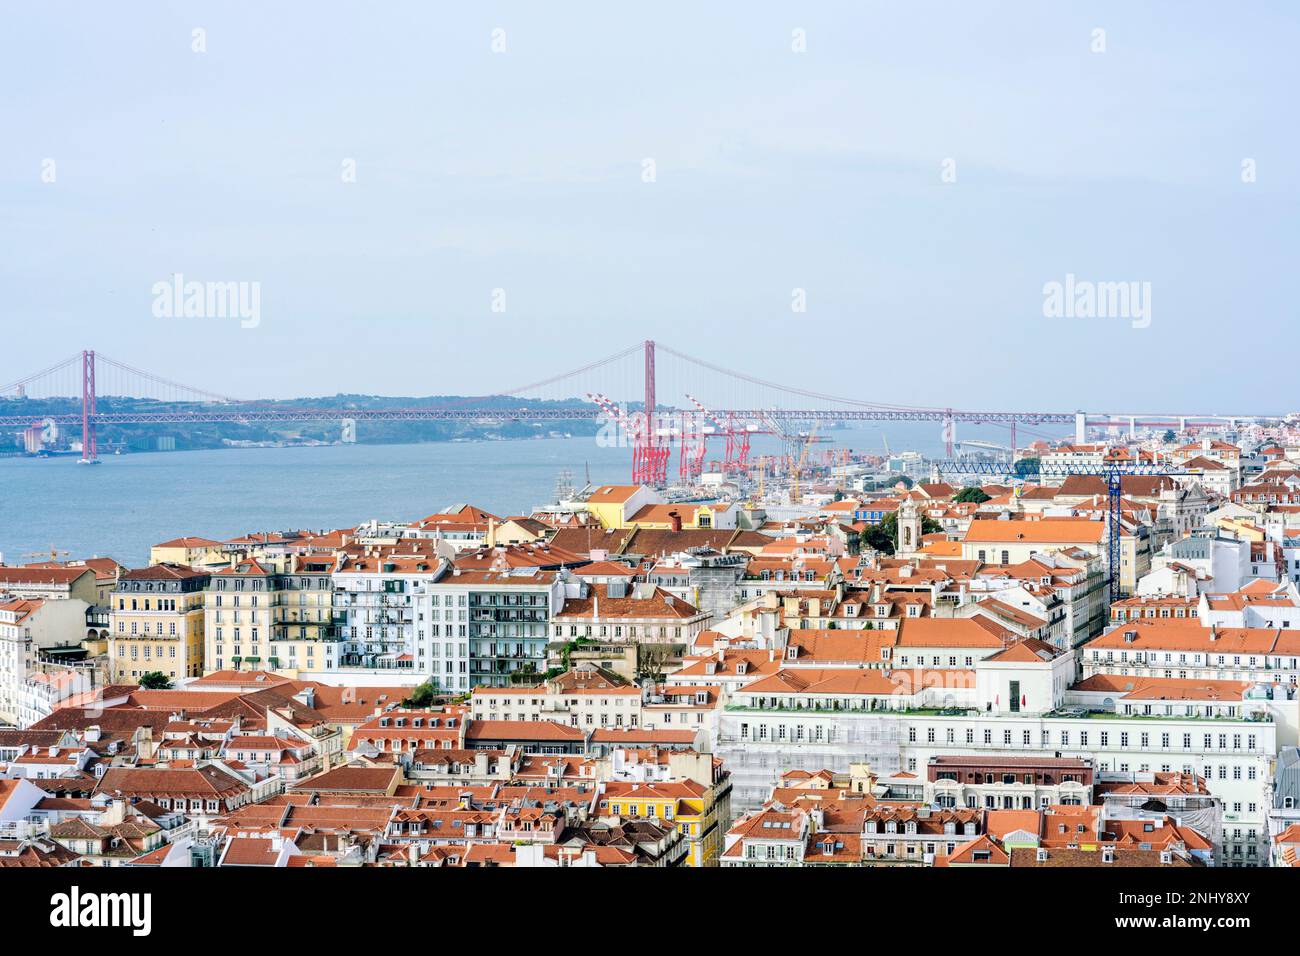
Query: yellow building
{"x":1134,"y":560}
{"x":260,"y":618}
{"x":679,"y":515}
{"x":1242,"y":528}
{"x":156,"y":623}
{"x":516,"y":530}
{"x":700,"y":812}
{"x":614,"y":505}
{"x":189,"y":552}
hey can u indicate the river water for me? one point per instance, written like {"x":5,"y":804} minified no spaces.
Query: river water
{"x":130,"y":502}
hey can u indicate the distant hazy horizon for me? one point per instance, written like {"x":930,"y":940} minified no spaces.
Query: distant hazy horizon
{"x":389,"y":176}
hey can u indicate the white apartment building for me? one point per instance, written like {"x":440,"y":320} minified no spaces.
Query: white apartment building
{"x":1209,"y":556}
{"x":501,"y":620}
{"x":1072,"y":457}
{"x":411,"y":618}
{"x":587,"y":696}
{"x":1189,"y":649}
{"x":27,"y":626}
{"x":383,"y":608}
{"x":1017,"y":702}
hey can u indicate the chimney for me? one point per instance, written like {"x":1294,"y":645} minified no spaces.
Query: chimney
{"x":676,"y":520}
{"x":492,"y":533}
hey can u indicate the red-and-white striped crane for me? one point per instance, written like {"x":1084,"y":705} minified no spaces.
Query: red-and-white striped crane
{"x":737,"y":458}
{"x":649,"y":461}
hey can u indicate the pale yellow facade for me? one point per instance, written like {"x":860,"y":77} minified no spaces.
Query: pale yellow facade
{"x":258,"y":619}
{"x":156,"y":624}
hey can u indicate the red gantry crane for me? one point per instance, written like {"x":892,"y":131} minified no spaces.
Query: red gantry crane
{"x":649,"y":460}
{"x":737,"y":457}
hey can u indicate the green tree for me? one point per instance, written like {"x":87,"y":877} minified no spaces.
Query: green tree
{"x":155,"y":680}
{"x":971,"y":493}
{"x":1027,"y":466}
{"x":883,"y":537}
{"x":1169,"y":435}
{"x":422,"y":696}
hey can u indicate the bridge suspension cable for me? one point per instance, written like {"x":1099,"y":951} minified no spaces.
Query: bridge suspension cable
{"x":44,"y":373}
{"x":165,"y":382}
{"x":789,"y":389}
{"x":589,"y":367}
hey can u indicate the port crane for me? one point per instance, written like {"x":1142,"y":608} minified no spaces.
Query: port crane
{"x":796,"y":492}
{"x":51,"y":555}
{"x":737,"y":456}
{"x":649,"y":461}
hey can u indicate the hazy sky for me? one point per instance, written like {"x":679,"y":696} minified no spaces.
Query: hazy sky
{"x":775,"y":170}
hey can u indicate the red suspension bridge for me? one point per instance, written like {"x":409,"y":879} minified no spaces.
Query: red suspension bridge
{"x":705,"y":400}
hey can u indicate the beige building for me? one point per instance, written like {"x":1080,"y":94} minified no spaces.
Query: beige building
{"x":106,"y":572}
{"x":60,"y":583}
{"x":191,"y":552}
{"x":260,"y":618}
{"x":618,"y":611}
{"x":993,"y":541}
{"x":156,"y":623}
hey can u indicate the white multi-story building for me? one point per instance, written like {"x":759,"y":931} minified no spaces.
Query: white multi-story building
{"x":27,"y":626}
{"x":1067,"y":458}
{"x":586,"y":696}
{"x":1019,"y":701}
{"x":1191,"y":650}
{"x":1209,"y":557}
{"x":416,"y":618}
{"x":383,"y":609}
{"x":501,"y":620}
{"x":1258,"y":604}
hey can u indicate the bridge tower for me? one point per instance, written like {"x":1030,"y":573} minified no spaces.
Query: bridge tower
{"x":89,"y":453}
{"x":653,"y":457}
